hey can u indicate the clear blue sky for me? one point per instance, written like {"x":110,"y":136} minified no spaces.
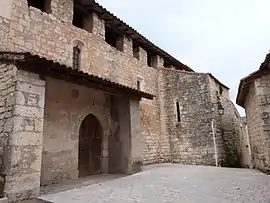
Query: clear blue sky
{"x":227,"y":38}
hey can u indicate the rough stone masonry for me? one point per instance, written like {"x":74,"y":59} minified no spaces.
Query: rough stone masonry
{"x":254,"y":96}
{"x":72,"y":71}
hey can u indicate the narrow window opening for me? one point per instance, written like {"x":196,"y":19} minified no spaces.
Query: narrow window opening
{"x":138,"y":85}
{"x":166,"y":64}
{"x":220,"y":90}
{"x":82,"y":20}
{"x":78,"y":18}
{"x":76,"y":58}
{"x":178,"y":112}
{"x":43,"y":5}
{"x":149,"y":60}
{"x":136,"y":50}
{"x":113,"y":38}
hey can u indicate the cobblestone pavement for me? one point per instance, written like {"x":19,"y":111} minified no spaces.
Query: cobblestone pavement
{"x":176,"y":184}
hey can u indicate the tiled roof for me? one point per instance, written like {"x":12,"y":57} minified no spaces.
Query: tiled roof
{"x":245,"y":83}
{"x":37,"y":64}
{"x":122,"y":27}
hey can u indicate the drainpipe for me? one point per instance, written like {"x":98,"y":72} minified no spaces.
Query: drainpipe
{"x":215,"y":145}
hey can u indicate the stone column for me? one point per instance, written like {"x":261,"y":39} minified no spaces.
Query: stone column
{"x":62,"y":10}
{"x":98,"y":26}
{"x":25,"y":128}
{"x":136,"y":140}
{"x":142,"y":56}
{"x":158,"y":61}
{"x":127,"y":46}
{"x":104,"y":155}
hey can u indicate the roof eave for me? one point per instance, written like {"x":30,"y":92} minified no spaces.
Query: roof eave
{"x":132,"y":32}
{"x":47,"y":67}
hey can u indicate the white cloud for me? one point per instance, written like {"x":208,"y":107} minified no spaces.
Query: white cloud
{"x":227,"y":38}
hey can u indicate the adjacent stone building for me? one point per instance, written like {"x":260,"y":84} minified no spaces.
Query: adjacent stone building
{"x":254,"y":96}
{"x":83,"y":93}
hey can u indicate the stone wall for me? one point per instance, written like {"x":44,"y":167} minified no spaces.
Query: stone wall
{"x":50,"y":36}
{"x":6,"y":8}
{"x":261,"y":144}
{"x":66,"y":106}
{"x":53,"y":36}
{"x":162,"y":138}
{"x":227,"y":126}
{"x":119,"y":141}
{"x":24,"y":129}
{"x":245,"y":145}
{"x":264,"y":82}
{"x":191,"y":140}
{"x":4,"y":33}
{"x":7,"y":86}
{"x":255,"y":128}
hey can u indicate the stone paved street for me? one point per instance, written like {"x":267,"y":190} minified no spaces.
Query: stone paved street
{"x":175,"y":183}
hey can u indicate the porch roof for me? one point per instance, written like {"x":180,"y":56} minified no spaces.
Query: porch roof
{"x":45,"y":67}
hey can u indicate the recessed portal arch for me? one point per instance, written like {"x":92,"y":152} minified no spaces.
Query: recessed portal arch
{"x":90,"y":146}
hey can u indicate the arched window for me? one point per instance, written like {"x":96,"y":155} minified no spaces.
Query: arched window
{"x":76,"y":57}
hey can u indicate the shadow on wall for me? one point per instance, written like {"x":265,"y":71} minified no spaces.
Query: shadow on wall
{"x":232,"y":155}
{"x":2,"y":178}
{"x":231,"y":136}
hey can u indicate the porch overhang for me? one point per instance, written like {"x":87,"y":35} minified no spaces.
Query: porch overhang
{"x":45,"y":67}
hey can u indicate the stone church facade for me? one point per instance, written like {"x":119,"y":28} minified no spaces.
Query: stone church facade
{"x":83,"y":93}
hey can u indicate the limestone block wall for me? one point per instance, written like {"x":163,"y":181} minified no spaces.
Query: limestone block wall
{"x":7,"y":86}
{"x":119,"y":140}
{"x":53,"y":36}
{"x":4,"y":32}
{"x":66,"y":106}
{"x":190,"y":138}
{"x":266,"y":119}
{"x":24,"y":129}
{"x":227,"y":126}
{"x":150,"y":126}
{"x":263,"y":102}
{"x":245,"y":145}
{"x":255,"y":125}
{"x":5,"y":8}
{"x":163,"y":141}
{"x":126,"y":141}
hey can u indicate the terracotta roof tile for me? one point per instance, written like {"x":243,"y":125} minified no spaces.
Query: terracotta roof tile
{"x":58,"y":68}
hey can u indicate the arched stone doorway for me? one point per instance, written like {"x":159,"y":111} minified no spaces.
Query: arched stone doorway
{"x":90,"y":146}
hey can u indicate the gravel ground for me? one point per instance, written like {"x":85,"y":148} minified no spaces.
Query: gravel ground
{"x":175,"y":184}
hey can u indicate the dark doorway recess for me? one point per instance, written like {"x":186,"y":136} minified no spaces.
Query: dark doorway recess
{"x":90,"y":146}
